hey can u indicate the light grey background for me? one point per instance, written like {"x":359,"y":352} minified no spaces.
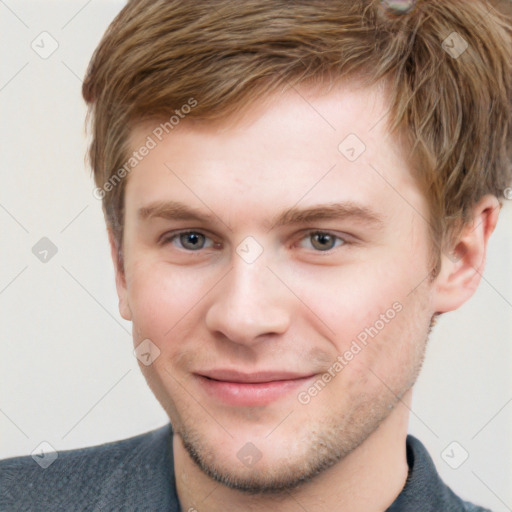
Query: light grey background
{"x":68,"y":375}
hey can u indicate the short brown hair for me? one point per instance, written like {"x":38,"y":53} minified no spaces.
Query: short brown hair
{"x":454,"y":110}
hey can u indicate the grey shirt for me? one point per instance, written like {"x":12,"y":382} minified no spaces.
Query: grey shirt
{"x":137,"y":474}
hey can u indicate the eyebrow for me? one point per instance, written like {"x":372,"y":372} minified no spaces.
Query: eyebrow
{"x":172,"y":210}
{"x":175,"y":210}
{"x":329,"y":211}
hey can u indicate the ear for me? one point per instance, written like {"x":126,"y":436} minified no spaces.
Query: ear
{"x":462,"y":270}
{"x":122,"y":291}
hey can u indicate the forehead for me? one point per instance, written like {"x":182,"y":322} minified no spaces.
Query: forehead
{"x":329,"y":111}
{"x":304,"y":141}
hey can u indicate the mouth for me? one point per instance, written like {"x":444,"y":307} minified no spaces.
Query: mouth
{"x":254,"y":377}
{"x":240,"y":389}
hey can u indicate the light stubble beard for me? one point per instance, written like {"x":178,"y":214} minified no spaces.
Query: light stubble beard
{"x":325,"y":444}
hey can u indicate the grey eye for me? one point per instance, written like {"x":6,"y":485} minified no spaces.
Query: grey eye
{"x":192,"y":240}
{"x":323,"y":241}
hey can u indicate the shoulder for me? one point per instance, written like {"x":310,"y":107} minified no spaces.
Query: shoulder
{"x":101,"y":477}
{"x":470,"y":507}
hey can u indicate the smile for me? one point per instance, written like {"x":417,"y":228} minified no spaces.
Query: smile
{"x":244,"y":393}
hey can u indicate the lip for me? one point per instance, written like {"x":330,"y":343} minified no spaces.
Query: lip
{"x":250,"y":389}
{"x":252,"y":378}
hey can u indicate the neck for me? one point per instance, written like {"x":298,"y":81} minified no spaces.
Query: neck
{"x":369,"y":479}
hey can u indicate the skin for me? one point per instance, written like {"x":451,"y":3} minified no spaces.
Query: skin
{"x":296,"y":307}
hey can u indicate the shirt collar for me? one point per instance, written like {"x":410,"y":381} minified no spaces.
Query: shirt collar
{"x":424,"y":491}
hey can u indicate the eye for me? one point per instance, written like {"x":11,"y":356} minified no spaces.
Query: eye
{"x":189,"y":240}
{"x":321,"y":241}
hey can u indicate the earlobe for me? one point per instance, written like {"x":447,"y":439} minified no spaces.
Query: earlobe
{"x":462,"y":266}
{"x":121,"y":287}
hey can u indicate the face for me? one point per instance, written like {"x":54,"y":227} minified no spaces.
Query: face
{"x":281,"y":269}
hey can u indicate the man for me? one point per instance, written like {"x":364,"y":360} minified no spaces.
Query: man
{"x":293,"y":192}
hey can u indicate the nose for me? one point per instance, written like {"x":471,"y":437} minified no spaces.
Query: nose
{"x":249,"y":304}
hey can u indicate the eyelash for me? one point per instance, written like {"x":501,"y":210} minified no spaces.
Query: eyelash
{"x":170,"y":237}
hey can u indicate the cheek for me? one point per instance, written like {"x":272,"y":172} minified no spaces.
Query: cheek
{"x":352,"y":297}
{"x":371,"y":313}
{"x":161,"y":297}
{"x":392,"y":342}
